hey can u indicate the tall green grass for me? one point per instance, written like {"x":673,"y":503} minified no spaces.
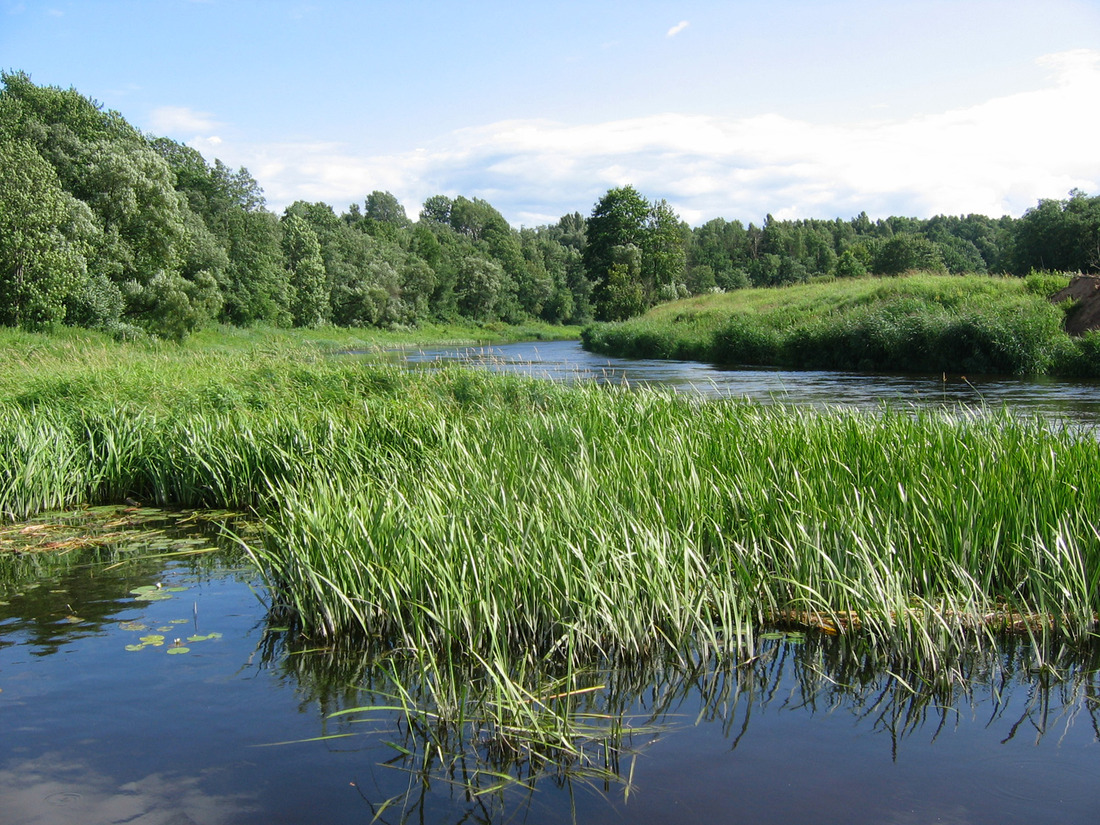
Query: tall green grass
{"x":919,"y":323}
{"x":459,"y":513}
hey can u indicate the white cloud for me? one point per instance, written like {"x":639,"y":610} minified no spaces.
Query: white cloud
{"x":995,"y":158}
{"x":679,"y":27}
{"x":175,"y":120}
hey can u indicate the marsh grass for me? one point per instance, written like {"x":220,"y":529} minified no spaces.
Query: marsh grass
{"x":917,"y":323}
{"x":501,"y":534}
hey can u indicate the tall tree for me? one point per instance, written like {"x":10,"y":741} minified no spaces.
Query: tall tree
{"x":307,"y":273}
{"x":618,"y":220}
{"x":41,"y":264}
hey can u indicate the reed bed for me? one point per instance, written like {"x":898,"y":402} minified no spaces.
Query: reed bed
{"x":463,"y":514}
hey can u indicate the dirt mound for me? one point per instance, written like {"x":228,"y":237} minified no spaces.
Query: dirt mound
{"x":1085,"y":290}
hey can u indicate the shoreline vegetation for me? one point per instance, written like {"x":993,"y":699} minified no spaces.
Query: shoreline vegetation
{"x":504,"y":546}
{"x":919,"y":323}
{"x":467,"y":510}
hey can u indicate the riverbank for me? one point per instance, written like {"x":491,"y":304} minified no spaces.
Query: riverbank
{"x":920,"y":323}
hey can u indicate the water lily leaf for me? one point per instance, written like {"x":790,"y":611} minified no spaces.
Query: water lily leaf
{"x":774,"y":634}
{"x":135,"y":647}
{"x":154,"y":644}
{"x":796,"y":638}
{"x":179,"y":650}
{"x":73,"y":619}
{"x":175,"y":589}
{"x":155,"y":596}
{"x":132,"y":626}
{"x":179,"y":621}
{"x":213,"y":635}
{"x":197,"y":638}
{"x":145,"y":588}
{"x":152,"y":638}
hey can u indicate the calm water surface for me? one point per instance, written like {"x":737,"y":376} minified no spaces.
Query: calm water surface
{"x":98,"y":726}
{"x":1060,"y":400}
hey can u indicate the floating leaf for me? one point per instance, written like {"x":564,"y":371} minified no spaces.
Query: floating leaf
{"x":175,"y":589}
{"x":155,"y":596}
{"x":73,"y":619}
{"x":179,"y":650}
{"x":135,"y":647}
{"x":197,"y":638}
{"x":165,"y":629}
{"x":132,"y":626}
{"x":213,"y":635}
{"x":179,"y":621}
{"x":774,"y":634}
{"x":152,"y":638}
{"x":145,"y":588}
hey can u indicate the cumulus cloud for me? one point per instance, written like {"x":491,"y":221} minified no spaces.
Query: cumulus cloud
{"x":995,"y":158}
{"x":679,"y":27}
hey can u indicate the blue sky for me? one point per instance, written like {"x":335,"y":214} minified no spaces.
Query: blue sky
{"x":725,"y":109}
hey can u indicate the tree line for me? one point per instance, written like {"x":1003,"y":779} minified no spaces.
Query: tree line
{"x":106,"y":227}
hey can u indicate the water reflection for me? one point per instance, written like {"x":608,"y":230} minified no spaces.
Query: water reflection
{"x":1077,"y":402}
{"x":643,"y":723}
{"x":54,"y":788}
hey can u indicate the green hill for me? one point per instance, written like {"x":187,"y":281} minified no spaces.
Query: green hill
{"x":916,"y":323}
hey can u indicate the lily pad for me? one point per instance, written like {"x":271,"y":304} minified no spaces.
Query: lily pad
{"x":155,"y":596}
{"x":175,"y":589}
{"x":132,"y":626}
{"x":152,"y":639}
{"x":145,"y":588}
{"x":135,"y":647}
{"x":179,"y":621}
{"x":179,"y":650}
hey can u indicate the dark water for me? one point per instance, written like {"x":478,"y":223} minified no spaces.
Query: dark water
{"x":92,"y":732}
{"x":1076,"y":402}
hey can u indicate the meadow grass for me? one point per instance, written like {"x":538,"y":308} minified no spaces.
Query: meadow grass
{"x":917,"y":323}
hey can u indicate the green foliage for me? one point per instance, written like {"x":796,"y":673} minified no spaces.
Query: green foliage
{"x":42,"y":250}
{"x":310,"y":304}
{"x":97,"y":212}
{"x":926,"y":323}
{"x":1059,"y":235}
{"x":1045,"y":284}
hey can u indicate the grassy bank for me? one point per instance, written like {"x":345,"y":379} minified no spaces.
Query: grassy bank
{"x":918,"y":323}
{"x":458,"y":512}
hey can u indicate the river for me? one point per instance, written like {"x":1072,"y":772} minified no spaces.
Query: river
{"x":1076,"y":402}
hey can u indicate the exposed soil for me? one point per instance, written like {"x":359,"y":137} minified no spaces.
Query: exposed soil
{"x":1085,"y":290}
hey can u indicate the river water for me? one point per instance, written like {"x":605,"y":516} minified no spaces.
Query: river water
{"x":226,"y":718}
{"x":1077,"y":402}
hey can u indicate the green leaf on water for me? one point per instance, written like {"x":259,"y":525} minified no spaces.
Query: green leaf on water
{"x":132,"y":626}
{"x":175,"y":589}
{"x":773,"y":634}
{"x":145,"y":588}
{"x":179,"y":621}
{"x":179,"y":650}
{"x":152,"y":638}
{"x":155,"y":596}
{"x":197,"y":638}
{"x":796,"y":638}
{"x":135,"y":647}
